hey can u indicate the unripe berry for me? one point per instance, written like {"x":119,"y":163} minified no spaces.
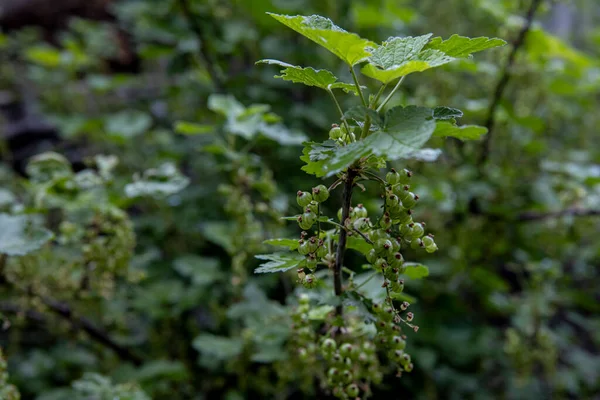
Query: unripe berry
{"x":397,"y":286}
{"x":417,"y":231}
{"x":392,"y":177}
{"x":307,"y":220}
{"x":335,"y":132}
{"x":380,"y":264}
{"x":416,"y":244}
{"x":312,"y":244}
{"x":385,"y":222}
{"x":383,"y":246}
{"x":333,"y":374}
{"x":368,"y":347}
{"x":329,"y":345}
{"x":399,"y":343}
{"x":303,"y":198}
{"x":397,"y":260}
{"x":352,"y":390}
{"x":429,"y":244}
{"x":347,"y":376}
{"x":406,"y":230}
{"x":346,"y":349}
{"x":310,"y":281}
{"x":392,"y":201}
{"x":409,"y":200}
{"x":313,"y":206}
{"x":320,"y":193}
{"x":406,"y":359}
{"x":408,"y":367}
{"x":405,"y":218}
{"x":405,"y":176}
{"x":360,"y":211}
{"x":398,"y":354}
{"x":372,"y":256}
{"x":303,"y":248}
{"x":311,"y":262}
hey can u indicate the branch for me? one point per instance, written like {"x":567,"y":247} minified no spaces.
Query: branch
{"x":63,"y":310}
{"x":339,"y":258}
{"x":504,"y":78}
{"x":209,"y":60}
{"x":573,"y":212}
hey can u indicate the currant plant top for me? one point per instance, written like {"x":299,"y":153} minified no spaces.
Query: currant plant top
{"x":361,"y":141}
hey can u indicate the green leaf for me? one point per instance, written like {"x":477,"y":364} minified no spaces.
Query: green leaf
{"x":462,"y":47}
{"x":464,"y":132}
{"x":406,"y":130}
{"x":360,"y":112}
{"x":47,"y":167}
{"x":444,"y":113}
{"x":127,"y":124}
{"x":415,"y":270}
{"x":282,"y":134}
{"x":219,"y":233}
{"x":359,"y":244}
{"x":201,"y":270}
{"x":157,"y":182}
{"x":291,"y":244}
{"x":320,"y":313}
{"x":315,"y":156}
{"x":190,"y":128}
{"x":362,"y":305}
{"x":278,"y":262}
{"x":320,"y":78}
{"x":400,"y":56}
{"x":20,"y":236}
{"x":351,"y":48}
{"x":219,"y":347}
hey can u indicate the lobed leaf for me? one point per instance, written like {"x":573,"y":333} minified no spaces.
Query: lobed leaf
{"x":291,"y":244}
{"x":19,"y":236}
{"x":278,"y":262}
{"x":416,"y":270}
{"x":464,"y":132}
{"x":462,"y":47}
{"x":349,"y":47}
{"x":309,"y":76}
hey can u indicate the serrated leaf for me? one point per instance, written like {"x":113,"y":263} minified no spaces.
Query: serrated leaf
{"x":309,"y":76}
{"x":191,"y":129}
{"x":359,"y":244}
{"x":464,"y":132}
{"x":400,"y":56}
{"x":444,"y":113}
{"x":19,"y":236}
{"x":406,"y":130}
{"x":462,"y":47}
{"x":157,"y":182}
{"x":278,"y":262}
{"x":315,"y":156}
{"x":351,"y":48}
{"x":360,"y":112}
{"x":416,"y":270}
{"x":291,"y":244}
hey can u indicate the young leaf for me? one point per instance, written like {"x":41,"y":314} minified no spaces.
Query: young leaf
{"x":19,"y":236}
{"x":464,"y":132}
{"x":278,"y":262}
{"x":320,"y":78}
{"x":416,"y":270}
{"x":462,"y":47}
{"x":406,"y":129}
{"x":400,"y":56}
{"x":291,"y":244}
{"x":351,"y":48}
{"x":443,"y":113}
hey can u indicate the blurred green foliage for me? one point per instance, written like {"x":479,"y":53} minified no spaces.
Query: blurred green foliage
{"x":186,"y":170}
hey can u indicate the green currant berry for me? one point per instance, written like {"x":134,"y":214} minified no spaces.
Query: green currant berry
{"x":335,"y":132}
{"x":312,"y":207}
{"x":405,"y":218}
{"x":385,"y":222}
{"x":392,"y":201}
{"x":328,"y":345}
{"x":346,"y":350}
{"x":417,"y":231}
{"x":380,"y":264}
{"x":307,"y":220}
{"x":408,"y":367}
{"x":405,"y":176}
{"x":398,"y":355}
{"x":372,"y":256}
{"x":311,"y":262}
{"x":302,"y":353}
{"x":303,"y":247}
{"x":333,"y":374}
{"x":347,"y":376}
{"x":383,"y":246}
{"x":320,"y":193}
{"x":397,"y":260}
{"x":416,"y":244}
{"x":352,"y":390}
{"x":409,"y":200}
{"x":399,"y":343}
{"x":405,"y":230}
{"x":312,"y":244}
{"x":392,"y":177}
{"x":360,"y":211}
{"x":303,"y":198}
{"x":310,"y":281}
{"x":405,"y":359}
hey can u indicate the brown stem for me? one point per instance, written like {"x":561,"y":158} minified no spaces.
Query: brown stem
{"x":504,"y":78}
{"x":339,"y":258}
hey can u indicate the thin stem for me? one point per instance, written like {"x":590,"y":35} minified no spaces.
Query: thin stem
{"x":389,"y":96}
{"x":378,"y":95}
{"x":364,"y":236}
{"x":360,"y":93}
{"x":340,"y":110}
{"x":318,"y":220}
{"x":373,"y":275}
{"x":339,"y":258}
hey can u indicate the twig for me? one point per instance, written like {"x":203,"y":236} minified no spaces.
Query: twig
{"x":96,"y":333}
{"x":364,"y":236}
{"x":339,"y":258}
{"x":209,"y":60}
{"x":504,"y":78}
